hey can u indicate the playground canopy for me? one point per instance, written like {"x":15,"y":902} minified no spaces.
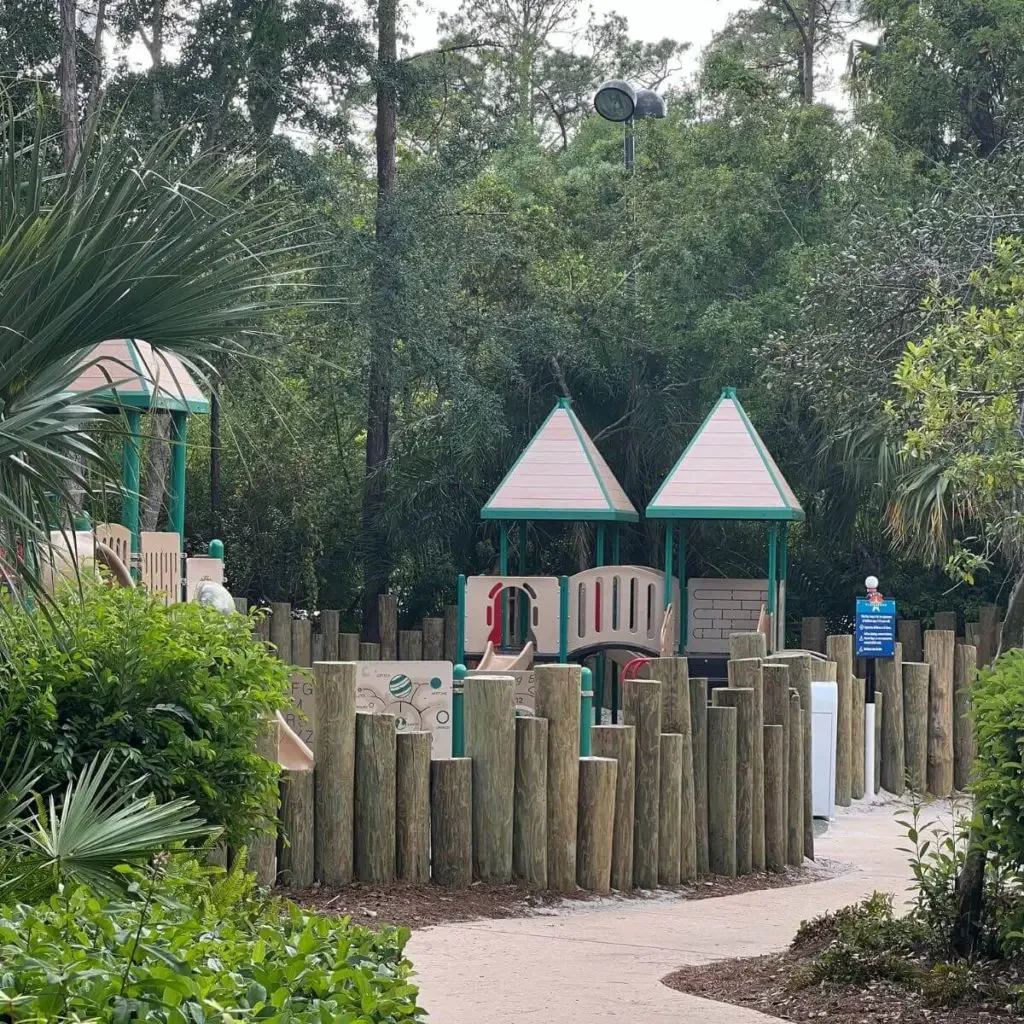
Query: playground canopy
{"x":560,"y":475}
{"x":128,"y":375}
{"x":726,"y":472}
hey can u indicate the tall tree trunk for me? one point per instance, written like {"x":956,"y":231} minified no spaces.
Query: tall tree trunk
{"x":1013,"y":624}
{"x":70,"y":129}
{"x":970,"y":891}
{"x":215,"y":456}
{"x":377,"y":559}
{"x":810,"y":41}
{"x":156,"y":52}
{"x":96,"y":83}
{"x":154,"y":476}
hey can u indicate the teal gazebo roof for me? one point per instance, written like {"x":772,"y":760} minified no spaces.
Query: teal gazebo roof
{"x":560,"y":475}
{"x":726,"y":472}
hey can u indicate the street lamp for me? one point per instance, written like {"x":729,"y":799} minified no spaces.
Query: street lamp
{"x":620,"y":102}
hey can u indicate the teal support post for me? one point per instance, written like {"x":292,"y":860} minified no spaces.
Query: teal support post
{"x":460,"y":615}
{"x":773,"y":532}
{"x":130,"y":479}
{"x":521,"y":598}
{"x":599,"y":546}
{"x":599,"y":666}
{"x":176,"y":491}
{"x":669,"y":529}
{"x":458,"y":711}
{"x":783,"y":574}
{"x":503,"y":571}
{"x":684,"y":610}
{"x":586,"y":711}
{"x":563,"y":620}
{"x":615,"y":545}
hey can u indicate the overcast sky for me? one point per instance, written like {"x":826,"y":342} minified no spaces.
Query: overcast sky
{"x":691,"y":21}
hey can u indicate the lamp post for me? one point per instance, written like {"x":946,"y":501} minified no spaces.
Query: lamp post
{"x":618,"y":101}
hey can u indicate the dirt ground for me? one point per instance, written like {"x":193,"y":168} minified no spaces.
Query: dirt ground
{"x":421,"y":906}
{"x":762,"y":983}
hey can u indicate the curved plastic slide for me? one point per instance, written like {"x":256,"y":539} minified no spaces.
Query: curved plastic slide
{"x":292,"y":754}
{"x":493,"y":661}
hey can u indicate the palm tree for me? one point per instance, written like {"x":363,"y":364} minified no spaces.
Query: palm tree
{"x":181,"y":250}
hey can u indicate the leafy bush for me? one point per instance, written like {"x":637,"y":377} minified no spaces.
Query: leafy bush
{"x":178,"y":691}
{"x":184,"y":950}
{"x":998,"y":779}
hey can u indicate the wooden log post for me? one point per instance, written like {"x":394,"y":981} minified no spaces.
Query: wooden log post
{"x":412,"y":807}
{"x":641,"y":706}
{"x":747,"y":645}
{"x":775,"y":771}
{"x":972,"y":635}
{"x":748,"y":674}
{"x":387,"y":625}
{"x":699,"y":750}
{"x":857,"y":765}
{"x":989,"y":629}
{"x":670,"y":802}
{"x":743,"y":701}
{"x":558,"y":700}
{"x":908,"y":633}
{"x":281,"y":629}
{"x":433,"y":639}
{"x":826,"y":671}
{"x":775,"y":679}
{"x":938,"y":652}
{"x":800,"y":672}
{"x":316,"y":648}
{"x":530,"y":803}
{"x":619,"y":742}
{"x":451,"y":632}
{"x":334,"y":771}
{"x":302,"y":643}
{"x":376,"y":767}
{"x":840,"y":650}
{"x":674,"y":676}
{"x":946,"y":622}
{"x":965,"y":660}
{"x":889,"y":681}
{"x":410,"y":645}
{"x":879,"y":711}
{"x":595,"y":823}
{"x":722,"y":790}
{"x":915,"y":724}
{"x":490,"y":731}
{"x":451,"y":821}
{"x":303,"y":721}
{"x":263,"y":845}
{"x":369,"y":652}
{"x":330,"y":629}
{"x":348,"y":647}
{"x":812,"y":634}
{"x":795,"y":846}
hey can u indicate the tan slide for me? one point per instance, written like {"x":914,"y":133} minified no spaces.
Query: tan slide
{"x":492,"y":661}
{"x":292,"y":754}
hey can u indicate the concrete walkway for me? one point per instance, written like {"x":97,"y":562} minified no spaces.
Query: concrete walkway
{"x":606,"y":962}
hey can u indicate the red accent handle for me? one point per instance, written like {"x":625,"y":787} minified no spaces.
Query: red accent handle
{"x":630,"y":669}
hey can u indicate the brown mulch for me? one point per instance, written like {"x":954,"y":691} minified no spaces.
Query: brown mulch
{"x":762,"y":984}
{"x":420,"y":906}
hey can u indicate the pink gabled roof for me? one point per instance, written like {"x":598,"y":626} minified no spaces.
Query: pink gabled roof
{"x":560,"y":475}
{"x":726,"y":472}
{"x":130,"y":372}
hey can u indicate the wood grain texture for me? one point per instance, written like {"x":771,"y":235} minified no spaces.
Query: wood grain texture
{"x":965,"y":661}
{"x":451,"y":822}
{"x":369,"y":652}
{"x":812,"y":634}
{"x":889,"y":681}
{"x":330,"y":628}
{"x":722,"y":790}
{"x":348,"y":647}
{"x":281,"y":629}
{"x":490,"y":742}
{"x":295,"y":864}
{"x":641,"y":706}
{"x":743,"y":701}
{"x":410,"y":645}
{"x":375,"y":798}
{"x":938,"y":653}
{"x":800,"y":673}
{"x":915,"y":724}
{"x":747,"y":645}
{"x":433,"y":639}
{"x":795,"y":817}
{"x":595,"y":823}
{"x":530,"y":804}
{"x":451,"y":632}
{"x":775,"y":679}
{"x":699,"y":753}
{"x":749,"y":674}
{"x":412,"y":807}
{"x":619,"y":742}
{"x":387,"y":619}
{"x":775,"y":789}
{"x":840,"y":650}
{"x":670,"y":802}
{"x":908,"y":633}
{"x":558,"y":700}
{"x":334,"y":771}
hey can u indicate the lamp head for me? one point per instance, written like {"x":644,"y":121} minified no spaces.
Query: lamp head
{"x":615,"y":100}
{"x":649,"y":104}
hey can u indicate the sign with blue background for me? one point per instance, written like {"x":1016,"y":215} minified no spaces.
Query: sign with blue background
{"x":875,"y":629}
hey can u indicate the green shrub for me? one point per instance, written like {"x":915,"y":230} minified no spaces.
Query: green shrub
{"x":832,"y":925}
{"x":998,"y":777}
{"x":178,"y":691}
{"x":185,"y":951}
{"x":947,"y":984}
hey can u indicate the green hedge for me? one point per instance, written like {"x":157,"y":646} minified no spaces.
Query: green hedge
{"x":179,"y":691}
{"x":184,"y":952}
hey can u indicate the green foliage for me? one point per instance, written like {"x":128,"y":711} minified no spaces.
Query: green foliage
{"x":178,"y":692}
{"x":998,"y":775}
{"x":187,"y":948}
{"x":947,"y":984}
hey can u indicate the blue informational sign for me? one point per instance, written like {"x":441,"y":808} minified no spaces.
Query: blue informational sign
{"x":875,"y":630}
